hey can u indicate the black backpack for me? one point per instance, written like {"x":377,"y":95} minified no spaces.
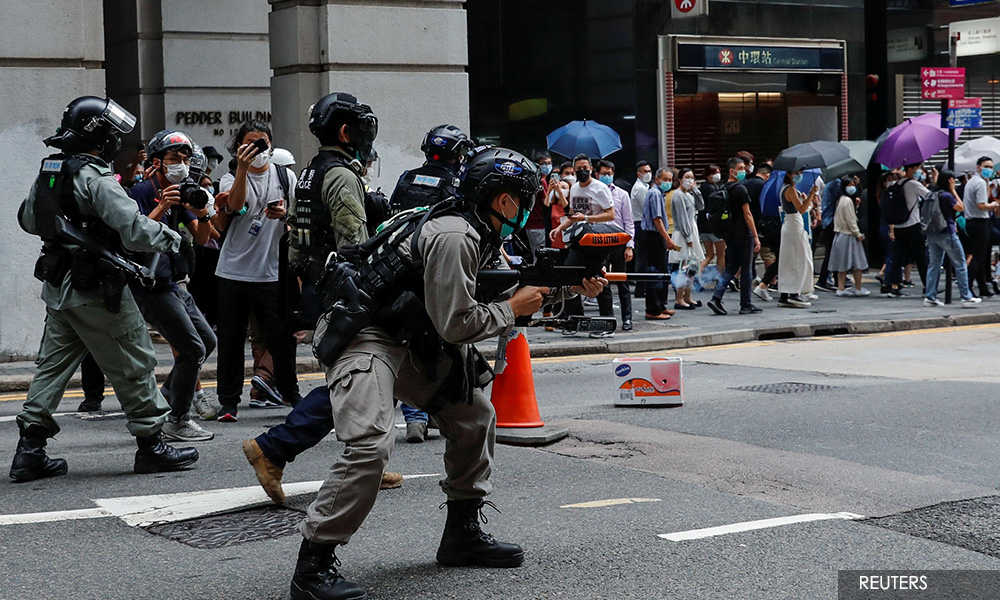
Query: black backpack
{"x":893,"y":205}
{"x":719,"y":212}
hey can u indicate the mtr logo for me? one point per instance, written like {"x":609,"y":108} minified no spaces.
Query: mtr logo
{"x":726,"y":56}
{"x":685,"y":5}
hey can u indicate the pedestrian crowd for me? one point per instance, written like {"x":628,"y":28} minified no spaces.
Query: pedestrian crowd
{"x":732,"y":229}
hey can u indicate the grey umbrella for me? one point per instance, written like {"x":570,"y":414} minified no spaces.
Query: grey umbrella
{"x":810,"y":155}
{"x":861,"y":155}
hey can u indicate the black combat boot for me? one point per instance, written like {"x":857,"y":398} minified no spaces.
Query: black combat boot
{"x":30,"y":460}
{"x":465,"y":544}
{"x":156,"y":456}
{"x":316,"y":576}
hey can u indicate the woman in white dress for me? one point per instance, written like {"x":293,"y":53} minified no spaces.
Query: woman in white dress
{"x":795,"y":264}
{"x":687,"y":238}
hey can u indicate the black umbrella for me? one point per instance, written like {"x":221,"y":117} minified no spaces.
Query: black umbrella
{"x":810,"y":155}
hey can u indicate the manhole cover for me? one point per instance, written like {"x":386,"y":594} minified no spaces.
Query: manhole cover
{"x":787,"y":387}
{"x":104,"y":415}
{"x":231,"y":529}
{"x":970,"y":524}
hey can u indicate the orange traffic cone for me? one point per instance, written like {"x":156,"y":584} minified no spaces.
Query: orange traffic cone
{"x":513,"y":397}
{"x":513,"y":394}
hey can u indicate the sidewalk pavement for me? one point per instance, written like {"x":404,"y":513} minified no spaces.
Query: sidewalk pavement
{"x":830,"y":315}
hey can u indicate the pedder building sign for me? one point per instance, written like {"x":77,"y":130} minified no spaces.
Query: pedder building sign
{"x":219,"y":119}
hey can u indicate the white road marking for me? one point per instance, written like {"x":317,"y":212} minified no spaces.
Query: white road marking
{"x":609,"y":502}
{"x":142,"y":511}
{"x":696,"y":534}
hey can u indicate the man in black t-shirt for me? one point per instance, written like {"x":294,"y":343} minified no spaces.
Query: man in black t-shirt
{"x":741,"y":242}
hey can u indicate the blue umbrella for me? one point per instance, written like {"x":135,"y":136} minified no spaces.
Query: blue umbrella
{"x":770,"y":198}
{"x":584,"y":137}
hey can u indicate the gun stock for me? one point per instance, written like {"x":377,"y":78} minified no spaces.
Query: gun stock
{"x":67,"y":233}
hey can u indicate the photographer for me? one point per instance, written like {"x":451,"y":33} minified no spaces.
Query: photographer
{"x":256,"y":199}
{"x":171,"y":197}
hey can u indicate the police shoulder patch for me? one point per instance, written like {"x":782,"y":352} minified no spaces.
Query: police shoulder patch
{"x":427,"y":180}
{"x":52,"y":165}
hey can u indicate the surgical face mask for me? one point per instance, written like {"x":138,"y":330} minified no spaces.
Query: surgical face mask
{"x":797,"y":179}
{"x":583,"y":175}
{"x":688,"y":183}
{"x":177,"y":173}
{"x":850,"y":190}
{"x":987,"y":173}
{"x":212,"y":163}
{"x":545,"y":169}
{"x":741,"y":175}
{"x":750,"y":168}
{"x":919,"y":175}
{"x":570,"y":179}
{"x":715,"y":178}
{"x":510,"y":226}
{"x":646,"y":177}
{"x":260,"y":161}
{"x":665,"y":186}
{"x":607,"y":179}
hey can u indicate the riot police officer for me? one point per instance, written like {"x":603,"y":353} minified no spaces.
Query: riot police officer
{"x":420,"y":271}
{"x":88,"y":304}
{"x":446,"y":148}
{"x":329,"y":212}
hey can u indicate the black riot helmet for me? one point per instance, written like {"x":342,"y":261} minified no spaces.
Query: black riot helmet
{"x":447,"y":143}
{"x":327,"y":116}
{"x":198,"y":163}
{"x":491,"y":171}
{"x":166,"y":140}
{"x":92,"y":123}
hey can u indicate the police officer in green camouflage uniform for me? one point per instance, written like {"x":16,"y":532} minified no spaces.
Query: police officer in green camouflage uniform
{"x":88,"y":305}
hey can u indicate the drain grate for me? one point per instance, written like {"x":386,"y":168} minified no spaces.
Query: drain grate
{"x":232,"y":529}
{"x":104,"y":415}
{"x":786,"y":387}
{"x":970,"y":524}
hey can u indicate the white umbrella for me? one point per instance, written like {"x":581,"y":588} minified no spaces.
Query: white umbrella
{"x":968,"y":153}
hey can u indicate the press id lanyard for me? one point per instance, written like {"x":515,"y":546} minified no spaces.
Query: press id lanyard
{"x":258,"y":220}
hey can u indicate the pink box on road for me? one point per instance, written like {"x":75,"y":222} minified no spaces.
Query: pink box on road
{"x":652,"y":382}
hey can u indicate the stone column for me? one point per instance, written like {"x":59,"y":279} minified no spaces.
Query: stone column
{"x":406,"y":59}
{"x":52,"y":52}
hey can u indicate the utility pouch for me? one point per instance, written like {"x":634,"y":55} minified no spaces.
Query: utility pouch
{"x":83,"y":270}
{"x":110,"y":287}
{"x":482,"y":369}
{"x":407,"y":322}
{"x":53,"y":264}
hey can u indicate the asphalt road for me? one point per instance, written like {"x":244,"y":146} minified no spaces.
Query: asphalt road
{"x":894,"y":452}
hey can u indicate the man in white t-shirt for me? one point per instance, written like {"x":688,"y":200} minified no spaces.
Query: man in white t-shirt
{"x":589,"y":201}
{"x":256,"y":201}
{"x":909,"y":245}
{"x":979,"y":205}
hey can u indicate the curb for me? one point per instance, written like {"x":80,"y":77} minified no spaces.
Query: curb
{"x":305,"y":364}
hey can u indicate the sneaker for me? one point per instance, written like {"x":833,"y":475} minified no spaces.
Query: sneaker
{"x":888,"y":292}
{"x":568,"y":333}
{"x":626,"y":325}
{"x":590,"y":301}
{"x":811,"y":296}
{"x":185,"y":431}
{"x":750,"y":310}
{"x":932,"y":302}
{"x":794,"y":302}
{"x":601,"y":334}
{"x":716,"y":306}
{"x":762,"y":293}
{"x":203,"y":406}
{"x":227,"y":414}
{"x":267,"y":396}
{"x":843,"y":293}
{"x":861,"y":292}
{"x":416,"y":431}
{"x":971,"y":302}
{"x":907,"y":284}
{"x":90,"y":405}
{"x":826,"y":286}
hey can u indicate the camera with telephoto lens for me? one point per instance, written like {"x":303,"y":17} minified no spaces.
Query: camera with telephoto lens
{"x":194,"y":195}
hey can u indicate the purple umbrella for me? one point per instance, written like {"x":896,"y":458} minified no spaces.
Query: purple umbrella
{"x":914,"y":140}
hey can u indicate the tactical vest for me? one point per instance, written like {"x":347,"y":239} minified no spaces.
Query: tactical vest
{"x":55,"y":197}
{"x":426,"y":186}
{"x":313,"y":235}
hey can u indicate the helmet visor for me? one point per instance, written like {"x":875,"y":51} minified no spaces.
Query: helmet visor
{"x":119,"y":118}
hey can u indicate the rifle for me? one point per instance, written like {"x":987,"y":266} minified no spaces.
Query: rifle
{"x":66,"y":233}
{"x":584,"y":257}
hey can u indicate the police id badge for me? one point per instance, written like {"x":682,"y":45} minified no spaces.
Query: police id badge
{"x":255,"y":226}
